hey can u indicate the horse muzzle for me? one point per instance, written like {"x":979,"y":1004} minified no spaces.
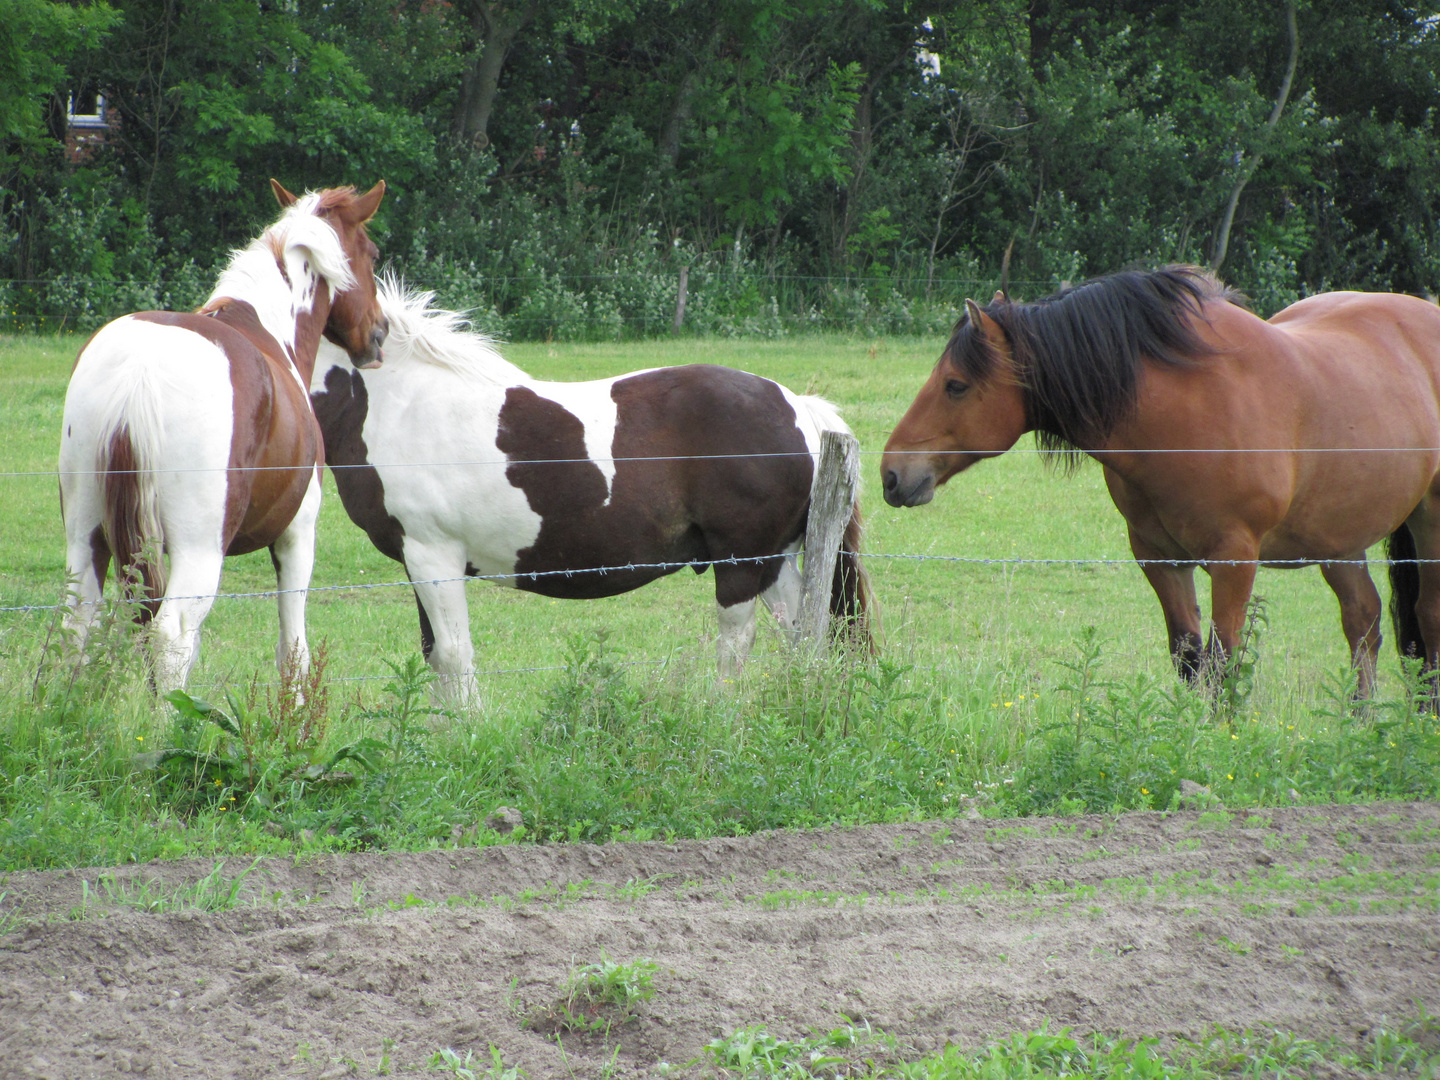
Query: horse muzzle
{"x":916,"y":490}
{"x":373,"y":356}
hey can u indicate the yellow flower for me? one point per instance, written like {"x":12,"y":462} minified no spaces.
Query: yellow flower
{"x":1008,"y":704}
{"x":1229,"y":776}
{"x":1144,"y":791}
{"x":139,"y":738}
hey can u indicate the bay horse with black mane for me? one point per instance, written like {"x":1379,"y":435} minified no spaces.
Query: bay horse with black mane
{"x":189,"y":435}
{"x":456,"y":463}
{"x":1228,"y":441}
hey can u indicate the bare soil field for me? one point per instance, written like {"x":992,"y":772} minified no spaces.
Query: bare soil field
{"x":1320,"y":921}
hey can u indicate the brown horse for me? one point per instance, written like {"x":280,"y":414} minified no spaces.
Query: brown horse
{"x":190,"y":434}
{"x":1227,"y":441}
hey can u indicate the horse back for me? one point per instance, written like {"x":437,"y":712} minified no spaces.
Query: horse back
{"x":275,"y":441}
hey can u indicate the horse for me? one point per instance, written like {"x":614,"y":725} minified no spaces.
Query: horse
{"x":456,"y":463}
{"x":190,"y":434}
{"x":1227,"y":441}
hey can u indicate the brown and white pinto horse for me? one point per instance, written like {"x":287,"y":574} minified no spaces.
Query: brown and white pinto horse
{"x":190,"y":434}
{"x":456,"y":463}
{"x":1227,"y":441}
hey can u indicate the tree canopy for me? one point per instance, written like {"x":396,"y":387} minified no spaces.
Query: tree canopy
{"x":809,"y":162}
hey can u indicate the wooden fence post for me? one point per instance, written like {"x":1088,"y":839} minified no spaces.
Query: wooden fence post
{"x":680,"y":299}
{"x":831,"y":500}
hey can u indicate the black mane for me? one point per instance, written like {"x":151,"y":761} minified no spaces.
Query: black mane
{"x":1077,"y":353}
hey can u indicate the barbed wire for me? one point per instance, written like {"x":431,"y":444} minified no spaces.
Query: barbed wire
{"x":507,"y":462}
{"x":532,"y":575}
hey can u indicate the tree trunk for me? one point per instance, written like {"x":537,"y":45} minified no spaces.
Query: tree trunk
{"x":498,"y":25}
{"x":1222,"y":237}
{"x":676,"y":120}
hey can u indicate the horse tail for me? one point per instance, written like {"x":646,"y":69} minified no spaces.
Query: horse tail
{"x":1405,"y":592}
{"x":852,"y":604}
{"x":130,"y":498}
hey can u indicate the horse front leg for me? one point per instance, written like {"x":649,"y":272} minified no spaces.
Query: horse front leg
{"x":438,"y":579}
{"x":1232,"y":580}
{"x":1359,"y":617}
{"x":1174,"y":585}
{"x":293,"y":555}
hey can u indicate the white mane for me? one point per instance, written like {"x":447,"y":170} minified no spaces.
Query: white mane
{"x":435,"y":336}
{"x":298,"y":236}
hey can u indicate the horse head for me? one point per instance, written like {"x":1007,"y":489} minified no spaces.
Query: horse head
{"x":356,"y":321}
{"x":971,"y":407}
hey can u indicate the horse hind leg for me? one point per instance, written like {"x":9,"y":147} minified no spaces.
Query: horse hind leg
{"x":1424,"y":527}
{"x":737,"y":638}
{"x":194,"y":580}
{"x":1359,"y":617}
{"x":783,"y":597}
{"x":87,"y":560}
{"x":736,"y":588}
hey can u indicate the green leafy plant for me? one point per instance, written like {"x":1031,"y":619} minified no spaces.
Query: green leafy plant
{"x":753,"y":1051}
{"x":270,"y":746}
{"x":599,"y":995}
{"x":467,"y":1068}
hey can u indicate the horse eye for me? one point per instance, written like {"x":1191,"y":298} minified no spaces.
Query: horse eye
{"x":955,"y":388}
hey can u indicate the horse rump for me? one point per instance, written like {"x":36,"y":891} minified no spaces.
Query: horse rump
{"x":1405,"y":592}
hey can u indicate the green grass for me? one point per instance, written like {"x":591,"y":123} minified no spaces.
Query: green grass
{"x":605,"y":722}
{"x":1405,"y":1050}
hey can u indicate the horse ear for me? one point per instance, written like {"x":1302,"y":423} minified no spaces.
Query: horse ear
{"x":283,"y":197}
{"x":987,"y":326}
{"x":999,"y":297}
{"x":366,"y":205}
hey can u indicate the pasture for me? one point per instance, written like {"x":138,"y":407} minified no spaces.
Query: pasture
{"x":963,"y":622}
{"x":1005,"y":688}
{"x":987,"y":669}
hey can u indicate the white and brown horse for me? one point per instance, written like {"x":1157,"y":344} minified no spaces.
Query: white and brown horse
{"x":457,"y":463}
{"x":190,"y":434}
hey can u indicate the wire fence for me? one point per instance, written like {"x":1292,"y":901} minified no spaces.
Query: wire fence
{"x":522,"y":578}
{"x":597,"y":459}
{"x":629,"y":302}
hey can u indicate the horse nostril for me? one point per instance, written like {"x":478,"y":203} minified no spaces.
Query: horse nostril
{"x":381,"y":332}
{"x":892,"y":481}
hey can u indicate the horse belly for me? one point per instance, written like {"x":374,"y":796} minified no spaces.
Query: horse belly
{"x":1349,"y":503}
{"x":274,"y":453}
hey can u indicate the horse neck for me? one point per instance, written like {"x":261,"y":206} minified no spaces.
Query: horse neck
{"x":291,"y":300}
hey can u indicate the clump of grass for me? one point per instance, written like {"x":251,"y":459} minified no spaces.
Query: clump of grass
{"x":598,"y":996}
{"x":213,"y":892}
